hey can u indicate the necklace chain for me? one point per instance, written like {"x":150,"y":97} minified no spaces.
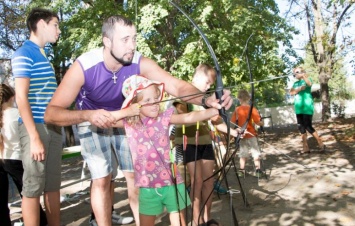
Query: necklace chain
{"x":114,"y":77}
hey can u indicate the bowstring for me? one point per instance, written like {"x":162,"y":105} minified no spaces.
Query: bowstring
{"x":194,"y":95}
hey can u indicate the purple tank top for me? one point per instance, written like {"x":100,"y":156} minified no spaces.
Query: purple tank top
{"x":99,"y":90}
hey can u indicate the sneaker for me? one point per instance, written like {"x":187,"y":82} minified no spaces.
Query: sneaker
{"x":219,"y":189}
{"x":92,"y":222}
{"x":259,"y":173}
{"x":241,"y":173}
{"x":118,"y":219}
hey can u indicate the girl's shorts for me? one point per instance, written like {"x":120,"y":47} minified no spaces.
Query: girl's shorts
{"x":153,"y":200}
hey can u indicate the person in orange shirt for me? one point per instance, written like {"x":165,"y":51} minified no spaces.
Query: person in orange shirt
{"x":249,"y":143}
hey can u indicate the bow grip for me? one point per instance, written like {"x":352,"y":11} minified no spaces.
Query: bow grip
{"x":222,"y":111}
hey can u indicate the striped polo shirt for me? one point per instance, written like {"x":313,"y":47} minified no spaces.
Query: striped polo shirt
{"x":29,"y":62}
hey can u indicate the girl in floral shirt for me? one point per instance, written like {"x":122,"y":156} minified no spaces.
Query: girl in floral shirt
{"x":148,"y":138}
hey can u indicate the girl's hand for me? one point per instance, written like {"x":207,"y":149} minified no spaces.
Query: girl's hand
{"x":134,"y":109}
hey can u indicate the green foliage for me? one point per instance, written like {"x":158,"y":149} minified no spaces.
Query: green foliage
{"x":12,"y":26}
{"x":339,"y":109}
{"x":339,"y":88}
{"x":167,"y":36}
{"x":227,"y":25}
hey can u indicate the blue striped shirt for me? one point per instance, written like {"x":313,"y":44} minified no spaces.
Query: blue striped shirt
{"x":29,"y":62}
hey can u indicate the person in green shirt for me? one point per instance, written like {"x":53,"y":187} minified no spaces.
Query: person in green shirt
{"x":304,"y":108}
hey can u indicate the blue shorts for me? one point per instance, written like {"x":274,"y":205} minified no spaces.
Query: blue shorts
{"x":104,"y":150}
{"x":153,"y":200}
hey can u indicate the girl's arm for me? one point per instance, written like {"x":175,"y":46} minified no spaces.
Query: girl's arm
{"x":130,"y":111}
{"x":294,"y":91}
{"x":223,"y":128}
{"x":306,"y":79}
{"x":194,"y":116}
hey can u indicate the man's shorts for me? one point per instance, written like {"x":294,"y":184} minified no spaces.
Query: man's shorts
{"x":153,"y":200}
{"x":197,"y":152}
{"x":43,"y":176}
{"x":249,"y":146}
{"x":104,"y":149}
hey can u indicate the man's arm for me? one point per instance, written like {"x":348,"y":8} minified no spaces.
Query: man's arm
{"x":57,"y":111}
{"x":22,"y":87}
{"x":180,"y":88}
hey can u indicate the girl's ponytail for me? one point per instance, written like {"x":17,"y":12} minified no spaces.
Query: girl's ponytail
{"x":6,"y":92}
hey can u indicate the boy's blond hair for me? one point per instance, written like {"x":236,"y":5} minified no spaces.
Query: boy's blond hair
{"x":205,"y":69}
{"x":300,"y":68}
{"x":243,"y":95}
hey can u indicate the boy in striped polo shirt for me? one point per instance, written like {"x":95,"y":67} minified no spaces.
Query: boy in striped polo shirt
{"x":35,"y":84}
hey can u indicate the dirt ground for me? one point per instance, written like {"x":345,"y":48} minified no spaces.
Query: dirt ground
{"x":317,"y":189}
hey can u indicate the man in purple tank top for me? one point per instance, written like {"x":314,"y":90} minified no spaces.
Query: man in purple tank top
{"x":95,"y":82}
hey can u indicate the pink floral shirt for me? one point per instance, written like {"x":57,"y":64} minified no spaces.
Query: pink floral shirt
{"x":150,"y":147}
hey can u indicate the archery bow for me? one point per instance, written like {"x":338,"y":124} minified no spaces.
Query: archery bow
{"x":219,"y":86}
{"x":219,"y":82}
{"x":243,"y":128}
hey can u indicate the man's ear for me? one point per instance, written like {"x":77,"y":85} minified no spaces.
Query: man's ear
{"x":107,"y":42}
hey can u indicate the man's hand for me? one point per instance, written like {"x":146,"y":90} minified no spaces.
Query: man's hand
{"x":101,"y":118}
{"x":227,"y":101}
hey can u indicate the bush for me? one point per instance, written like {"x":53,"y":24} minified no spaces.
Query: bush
{"x":339,"y":109}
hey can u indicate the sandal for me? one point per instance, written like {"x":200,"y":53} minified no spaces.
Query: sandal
{"x":241,"y":173}
{"x":322,"y":149}
{"x":259,"y":173}
{"x":212,"y":222}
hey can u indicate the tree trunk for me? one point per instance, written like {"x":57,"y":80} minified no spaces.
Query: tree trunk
{"x":325,"y":98}
{"x":321,"y":58}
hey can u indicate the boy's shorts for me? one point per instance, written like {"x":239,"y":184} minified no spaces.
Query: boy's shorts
{"x":249,"y":146}
{"x":153,"y":200}
{"x":42,"y":176}
{"x":104,"y":149}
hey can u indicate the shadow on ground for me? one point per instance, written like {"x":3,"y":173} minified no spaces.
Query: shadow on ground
{"x":316,"y":189}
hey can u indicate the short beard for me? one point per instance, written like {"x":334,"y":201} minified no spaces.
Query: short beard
{"x":121,"y":60}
